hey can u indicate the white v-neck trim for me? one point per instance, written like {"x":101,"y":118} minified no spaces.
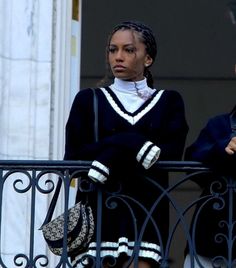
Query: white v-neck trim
{"x":132,"y":119}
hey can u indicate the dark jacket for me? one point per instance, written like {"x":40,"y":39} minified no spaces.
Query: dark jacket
{"x":211,"y":232}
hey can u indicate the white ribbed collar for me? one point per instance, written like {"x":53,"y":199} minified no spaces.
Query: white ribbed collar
{"x":132,"y":87}
{"x":132,"y":93}
{"x":122,"y":85}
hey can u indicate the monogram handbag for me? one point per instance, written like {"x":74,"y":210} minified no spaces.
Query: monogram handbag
{"x":80,"y":221}
{"x":80,"y":229}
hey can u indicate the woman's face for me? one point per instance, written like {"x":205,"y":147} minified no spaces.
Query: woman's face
{"x":127,"y":56}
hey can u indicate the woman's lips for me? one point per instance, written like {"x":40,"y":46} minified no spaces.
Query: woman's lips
{"x":119,"y":68}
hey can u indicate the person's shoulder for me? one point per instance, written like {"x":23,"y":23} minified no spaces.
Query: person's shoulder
{"x":172,"y":95}
{"x":218,"y":117}
{"x":85,"y":94}
{"x":83,"y":98}
{"x":171,"y":92}
{"x":218,"y":120}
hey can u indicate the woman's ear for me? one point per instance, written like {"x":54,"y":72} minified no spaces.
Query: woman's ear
{"x":148,"y":61}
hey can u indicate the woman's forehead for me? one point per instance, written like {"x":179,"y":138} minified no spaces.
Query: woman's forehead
{"x":125,"y":36}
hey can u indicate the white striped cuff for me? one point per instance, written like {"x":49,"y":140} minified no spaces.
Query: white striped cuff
{"x":153,"y":154}
{"x":98,"y":172}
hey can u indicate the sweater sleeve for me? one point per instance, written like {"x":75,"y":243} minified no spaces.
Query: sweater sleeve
{"x":143,"y":150}
{"x":80,"y":141}
{"x":171,"y":135}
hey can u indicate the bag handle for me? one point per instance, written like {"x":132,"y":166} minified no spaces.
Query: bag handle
{"x":57,"y":191}
{"x":95,"y":110}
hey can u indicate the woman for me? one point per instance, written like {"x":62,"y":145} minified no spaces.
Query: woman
{"x":215,"y":147}
{"x":137,"y":126}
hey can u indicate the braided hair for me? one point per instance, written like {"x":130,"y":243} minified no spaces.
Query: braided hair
{"x":146,"y":37}
{"x":233,"y":112}
{"x":234,"y":109}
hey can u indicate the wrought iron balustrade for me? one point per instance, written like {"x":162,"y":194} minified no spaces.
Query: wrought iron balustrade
{"x":27,"y":185}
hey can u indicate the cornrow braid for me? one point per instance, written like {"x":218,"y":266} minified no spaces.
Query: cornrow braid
{"x":148,"y":75}
{"x":233,"y":110}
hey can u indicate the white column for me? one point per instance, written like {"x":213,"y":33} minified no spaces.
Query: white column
{"x":25,"y":89}
{"x":25,"y":104}
{"x":66,"y":71}
{"x":35,"y":97}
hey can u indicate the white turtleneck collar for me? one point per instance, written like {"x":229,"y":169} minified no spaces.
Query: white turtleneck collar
{"x":132,"y":94}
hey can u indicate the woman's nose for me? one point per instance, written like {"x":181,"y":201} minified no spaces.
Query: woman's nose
{"x":119,"y":55}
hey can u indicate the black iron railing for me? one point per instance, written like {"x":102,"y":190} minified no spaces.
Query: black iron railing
{"x":29,"y":183}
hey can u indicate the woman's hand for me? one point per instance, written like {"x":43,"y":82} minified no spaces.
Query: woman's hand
{"x":231,"y":147}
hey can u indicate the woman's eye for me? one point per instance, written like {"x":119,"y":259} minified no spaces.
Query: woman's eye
{"x":111,"y":49}
{"x":130,"y":50}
